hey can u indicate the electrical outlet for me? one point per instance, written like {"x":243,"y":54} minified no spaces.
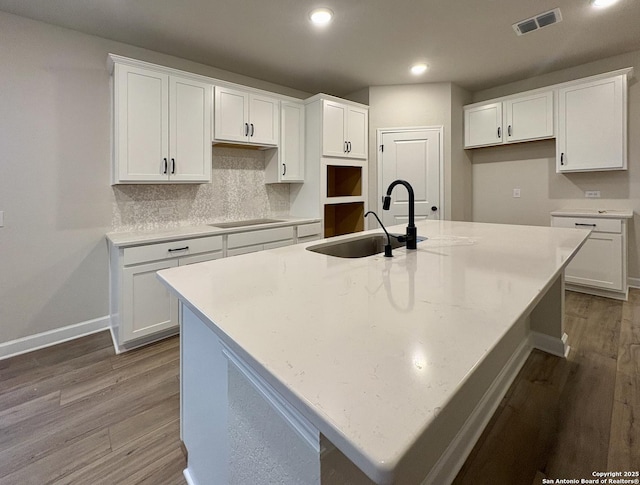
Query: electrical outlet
{"x":516,"y":193}
{"x":592,"y":194}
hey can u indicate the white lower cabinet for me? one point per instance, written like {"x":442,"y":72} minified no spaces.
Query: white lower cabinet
{"x":600,"y":267}
{"x":148,"y":307}
{"x":142,"y":309}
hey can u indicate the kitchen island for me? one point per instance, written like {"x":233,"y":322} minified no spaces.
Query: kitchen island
{"x":298,"y":367}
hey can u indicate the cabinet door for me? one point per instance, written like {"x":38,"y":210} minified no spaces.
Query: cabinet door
{"x":598,"y":263}
{"x":592,"y":126}
{"x":264,"y":113}
{"x":190,"y":130}
{"x":141,"y":133}
{"x":529,"y":117}
{"x":483,"y":125}
{"x":292,"y":142}
{"x":357,"y":132}
{"x":147,"y":305}
{"x":334,"y":119}
{"x":231,"y":118}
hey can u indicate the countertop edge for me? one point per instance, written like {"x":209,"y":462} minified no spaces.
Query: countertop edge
{"x":138,"y":238}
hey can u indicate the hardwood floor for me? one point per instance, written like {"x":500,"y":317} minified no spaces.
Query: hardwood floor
{"x":76,"y":413}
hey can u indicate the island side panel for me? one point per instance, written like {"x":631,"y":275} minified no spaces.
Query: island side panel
{"x":547,"y":321}
{"x":204,"y":402}
{"x":232,"y":432}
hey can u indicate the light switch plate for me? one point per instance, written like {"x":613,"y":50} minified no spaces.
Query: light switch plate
{"x":592,"y":194}
{"x":516,"y":193}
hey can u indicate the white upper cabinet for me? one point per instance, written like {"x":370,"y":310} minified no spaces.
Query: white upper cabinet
{"x":529,"y":117}
{"x":515,"y":119}
{"x":592,"y":125}
{"x":245,"y":118}
{"x":483,"y":125}
{"x":287,"y":163}
{"x":344,"y":130}
{"x":162,"y":127}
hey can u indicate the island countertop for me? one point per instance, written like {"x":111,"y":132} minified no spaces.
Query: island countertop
{"x":371,"y":349}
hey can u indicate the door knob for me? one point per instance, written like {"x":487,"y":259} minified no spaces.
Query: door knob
{"x":434,"y":208}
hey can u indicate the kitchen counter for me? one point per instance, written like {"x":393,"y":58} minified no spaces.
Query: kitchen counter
{"x":125,"y":239}
{"x":390,"y":359}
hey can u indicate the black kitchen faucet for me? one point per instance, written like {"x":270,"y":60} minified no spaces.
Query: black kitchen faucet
{"x":412,"y":233}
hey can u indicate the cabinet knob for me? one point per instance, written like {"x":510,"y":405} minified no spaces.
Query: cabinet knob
{"x":434,"y":208}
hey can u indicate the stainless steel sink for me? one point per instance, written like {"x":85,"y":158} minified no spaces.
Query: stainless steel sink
{"x":357,"y":247}
{"x":249,"y":222}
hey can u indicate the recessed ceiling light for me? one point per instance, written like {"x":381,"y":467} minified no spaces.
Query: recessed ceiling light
{"x":602,"y":3}
{"x":418,"y":68}
{"x":321,"y":16}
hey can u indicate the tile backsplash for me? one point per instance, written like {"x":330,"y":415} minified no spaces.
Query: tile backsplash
{"x":237,"y":192}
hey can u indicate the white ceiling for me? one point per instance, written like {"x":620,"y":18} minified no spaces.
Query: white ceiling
{"x":370,"y":42}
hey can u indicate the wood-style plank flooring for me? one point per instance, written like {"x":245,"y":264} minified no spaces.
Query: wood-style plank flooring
{"x":76,"y":413}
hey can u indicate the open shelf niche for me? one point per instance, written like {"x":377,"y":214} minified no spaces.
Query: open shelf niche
{"x":342,"y":219}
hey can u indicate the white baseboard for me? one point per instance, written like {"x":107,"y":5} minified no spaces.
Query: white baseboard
{"x":451,"y":461}
{"x":188,"y":477}
{"x":550,"y":345}
{"x":633,"y":282}
{"x":52,"y":337}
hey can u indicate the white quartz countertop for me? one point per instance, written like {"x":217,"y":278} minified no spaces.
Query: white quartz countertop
{"x":371,"y":349}
{"x":599,"y":213}
{"x":124,"y":239}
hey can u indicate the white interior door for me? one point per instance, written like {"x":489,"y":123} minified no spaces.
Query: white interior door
{"x":414,"y":156}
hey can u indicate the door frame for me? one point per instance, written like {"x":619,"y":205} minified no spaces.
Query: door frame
{"x":381,"y":189}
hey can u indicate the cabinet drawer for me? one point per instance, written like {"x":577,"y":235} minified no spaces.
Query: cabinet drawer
{"x":596,"y":225}
{"x":259,"y":237}
{"x":200,"y":258}
{"x":173,"y":249}
{"x":309,"y":229}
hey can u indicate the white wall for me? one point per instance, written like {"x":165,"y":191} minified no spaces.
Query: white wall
{"x":431,"y":104}
{"x":54,"y":177}
{"x":531,"y":166}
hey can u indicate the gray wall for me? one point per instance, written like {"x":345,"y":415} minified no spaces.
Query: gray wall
{"x":432,"y":104}
{"x":55,"y":161}
{"x":531,"y":167}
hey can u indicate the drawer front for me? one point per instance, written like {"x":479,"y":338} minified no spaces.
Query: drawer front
{"x":259,"y":237}
{"x":199,"y":258}
{"x":596,"y":225}
{"x":173,"y":249}
{"x":309,"y":229}
{"x":245,"y":250}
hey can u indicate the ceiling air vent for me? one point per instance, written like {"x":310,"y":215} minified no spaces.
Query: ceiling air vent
{"x":541,"y":20}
